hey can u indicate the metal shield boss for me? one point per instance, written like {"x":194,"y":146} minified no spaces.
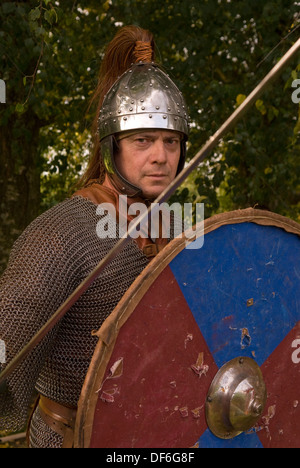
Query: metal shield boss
{"x":204,"y":348}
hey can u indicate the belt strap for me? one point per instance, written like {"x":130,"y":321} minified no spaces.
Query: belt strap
{"x":150,"y":250}
{"x":59,"y":418}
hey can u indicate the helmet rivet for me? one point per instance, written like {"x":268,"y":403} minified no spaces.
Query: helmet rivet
{"x":124,"y":118}
{"x":143,"y":107}
{"x":150,"y":116}
{"x":157,"y":107}
{"x":164,"y":116}
{"x":130,"y":108}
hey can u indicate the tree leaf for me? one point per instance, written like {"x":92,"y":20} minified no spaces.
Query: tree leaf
{"x":34,"y":14}
{"x":20,"y":108}
{"x":240,"y":99}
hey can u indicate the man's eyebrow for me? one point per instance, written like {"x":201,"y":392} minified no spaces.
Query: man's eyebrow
{"x":149,"y":134}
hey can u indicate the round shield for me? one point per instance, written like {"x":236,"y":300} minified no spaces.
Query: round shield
{"x":204,"y":348}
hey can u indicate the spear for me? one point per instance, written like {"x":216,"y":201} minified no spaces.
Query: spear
{"x":197,"y":159}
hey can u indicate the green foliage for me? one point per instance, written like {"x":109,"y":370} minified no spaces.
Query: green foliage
{"x":216,"y":51}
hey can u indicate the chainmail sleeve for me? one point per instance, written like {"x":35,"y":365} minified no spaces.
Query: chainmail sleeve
{"x":37,"y":280}
{"x":49,"y":260}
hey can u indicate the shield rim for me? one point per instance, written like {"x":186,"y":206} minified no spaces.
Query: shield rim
{"x":108,"y":332}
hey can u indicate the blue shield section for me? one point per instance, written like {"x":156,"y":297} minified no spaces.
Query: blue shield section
{"x":243,"y":288}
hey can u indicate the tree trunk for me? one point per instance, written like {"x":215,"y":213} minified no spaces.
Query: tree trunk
{"x":20,"y":169}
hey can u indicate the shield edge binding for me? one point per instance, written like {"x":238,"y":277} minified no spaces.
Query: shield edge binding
{"x":108,"y":333}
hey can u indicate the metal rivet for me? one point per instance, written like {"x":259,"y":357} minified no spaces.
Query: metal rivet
{"x":142,"y":100}
{"x":164,"y":116}
{"x":130,"y":108}
{"x":143,"y":107}
{"x":150,"y":116}
{"x":151,"y":84}
{"x":124,"y":118}
{"x":157,"y":107}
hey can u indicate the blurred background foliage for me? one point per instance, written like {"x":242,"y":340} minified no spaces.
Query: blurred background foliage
{"x":216,"y":51}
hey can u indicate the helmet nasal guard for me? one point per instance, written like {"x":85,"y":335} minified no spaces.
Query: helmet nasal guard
{"x":144,"y":97}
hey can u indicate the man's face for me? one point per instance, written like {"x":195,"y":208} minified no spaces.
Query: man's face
{"x":149,"y":160}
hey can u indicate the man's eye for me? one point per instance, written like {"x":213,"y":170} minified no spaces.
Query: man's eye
{"x":142,"y":140}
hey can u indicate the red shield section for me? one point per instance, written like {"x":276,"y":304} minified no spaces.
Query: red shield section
{"x":157,"y":399}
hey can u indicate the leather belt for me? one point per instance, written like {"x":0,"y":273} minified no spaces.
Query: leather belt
{"x":59,"y":418}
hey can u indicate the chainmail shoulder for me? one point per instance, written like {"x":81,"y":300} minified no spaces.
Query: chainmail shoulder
{"x":48,"y":261}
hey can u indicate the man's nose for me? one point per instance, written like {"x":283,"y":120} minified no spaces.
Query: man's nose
{"x":159,"y":152}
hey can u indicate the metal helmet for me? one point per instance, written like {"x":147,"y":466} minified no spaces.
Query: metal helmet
{"x":144,"y":97}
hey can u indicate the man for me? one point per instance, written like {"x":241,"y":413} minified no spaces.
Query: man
{"x":142,"y":128}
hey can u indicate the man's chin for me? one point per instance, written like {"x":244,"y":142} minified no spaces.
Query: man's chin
{"x":153,"y":193}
